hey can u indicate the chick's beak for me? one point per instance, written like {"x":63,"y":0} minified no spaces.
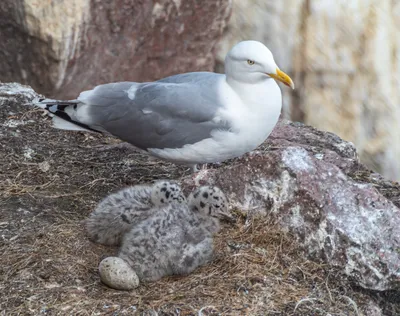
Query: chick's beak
{"x":227,"y":216}
{"x":282,"y":77}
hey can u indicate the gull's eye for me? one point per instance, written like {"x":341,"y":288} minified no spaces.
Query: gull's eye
{"x":250,"y":62}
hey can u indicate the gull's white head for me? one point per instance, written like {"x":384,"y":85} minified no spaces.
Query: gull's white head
{"x":252,"y":62}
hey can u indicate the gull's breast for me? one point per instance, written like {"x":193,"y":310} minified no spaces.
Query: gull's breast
{"x":251,"y":117}
{"x":255,"y":114}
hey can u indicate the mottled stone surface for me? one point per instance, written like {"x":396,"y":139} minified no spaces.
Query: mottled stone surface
{"x":314,"y":185}
{"x":66,"y":46}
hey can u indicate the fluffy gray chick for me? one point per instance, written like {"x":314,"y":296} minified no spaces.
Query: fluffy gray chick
{"x":118,"y":212}
{"x":210,"y":205}
{"x":177,"y":238}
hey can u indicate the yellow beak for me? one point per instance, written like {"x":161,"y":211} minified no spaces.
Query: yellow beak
{"x":282,"y":77}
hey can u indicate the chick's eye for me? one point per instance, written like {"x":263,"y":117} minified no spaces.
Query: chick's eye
{"x":250,"y":62}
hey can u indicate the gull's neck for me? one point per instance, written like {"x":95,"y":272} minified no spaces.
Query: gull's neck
{"x":254,"y":91}
{"x":239,"y":84}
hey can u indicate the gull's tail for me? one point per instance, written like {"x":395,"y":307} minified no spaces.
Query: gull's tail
{"x":68,"y":115}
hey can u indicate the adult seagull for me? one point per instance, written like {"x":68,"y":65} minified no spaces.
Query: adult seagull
{"x":190,"y":118}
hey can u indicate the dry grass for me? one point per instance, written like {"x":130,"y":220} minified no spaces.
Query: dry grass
{"x":258,"y":270}
{"x":49,"y":267}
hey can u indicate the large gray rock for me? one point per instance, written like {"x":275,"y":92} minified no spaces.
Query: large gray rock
{"x":312,"y":183}
{"x":66,"y":46}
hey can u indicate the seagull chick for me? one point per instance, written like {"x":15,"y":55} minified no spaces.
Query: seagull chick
{"x":210,"y":205}
{"x":116,"y":214}
{"x":191,"y":118}
{"x":177,"y":238}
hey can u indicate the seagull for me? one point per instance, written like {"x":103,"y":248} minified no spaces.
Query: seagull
{"x":190,"y":118}
{"x":118,"y":212}
{"x":178,"y":238}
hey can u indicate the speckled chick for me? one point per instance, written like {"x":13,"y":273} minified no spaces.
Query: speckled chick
{"x":177,"y":238}
{"x":210,"y":205}
{"x":118,"y":212}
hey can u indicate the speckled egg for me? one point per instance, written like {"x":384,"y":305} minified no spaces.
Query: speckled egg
{"x":117,"y":274}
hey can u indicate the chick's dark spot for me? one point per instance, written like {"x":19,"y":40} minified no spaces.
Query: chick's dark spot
{"x":167,"y":194}
{"x":205,"y":195}
{"x":163,"y":189}
{"x":188,"y":261}
{"x":202,"y":204}
{"x":125,"y":218}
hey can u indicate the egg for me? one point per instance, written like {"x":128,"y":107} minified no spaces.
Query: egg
{"x":117,"y":274}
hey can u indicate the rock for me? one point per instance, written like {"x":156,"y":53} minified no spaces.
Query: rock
{"x":343,"y":58}
{"x":372,"y":309}
{"x":312,"y":183}
{"x":16,"y":91}
{"x":117,"y":274}
{"x":64,"y":47}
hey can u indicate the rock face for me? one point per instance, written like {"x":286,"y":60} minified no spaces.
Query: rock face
{"x":64,"y":47}
{"x":344,"y":59}
{"x":312,"y":183}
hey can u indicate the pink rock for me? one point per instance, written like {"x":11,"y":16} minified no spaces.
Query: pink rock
{"x":315,"y":187}
{"x":64,"y":47}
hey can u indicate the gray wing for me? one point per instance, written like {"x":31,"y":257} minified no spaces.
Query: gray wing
{"x":168,"y":113}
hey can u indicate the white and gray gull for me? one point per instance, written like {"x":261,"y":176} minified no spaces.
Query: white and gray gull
{"x":190,"y":118}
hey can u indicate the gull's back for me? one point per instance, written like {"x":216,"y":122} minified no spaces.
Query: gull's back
{"x":168,"y":113}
